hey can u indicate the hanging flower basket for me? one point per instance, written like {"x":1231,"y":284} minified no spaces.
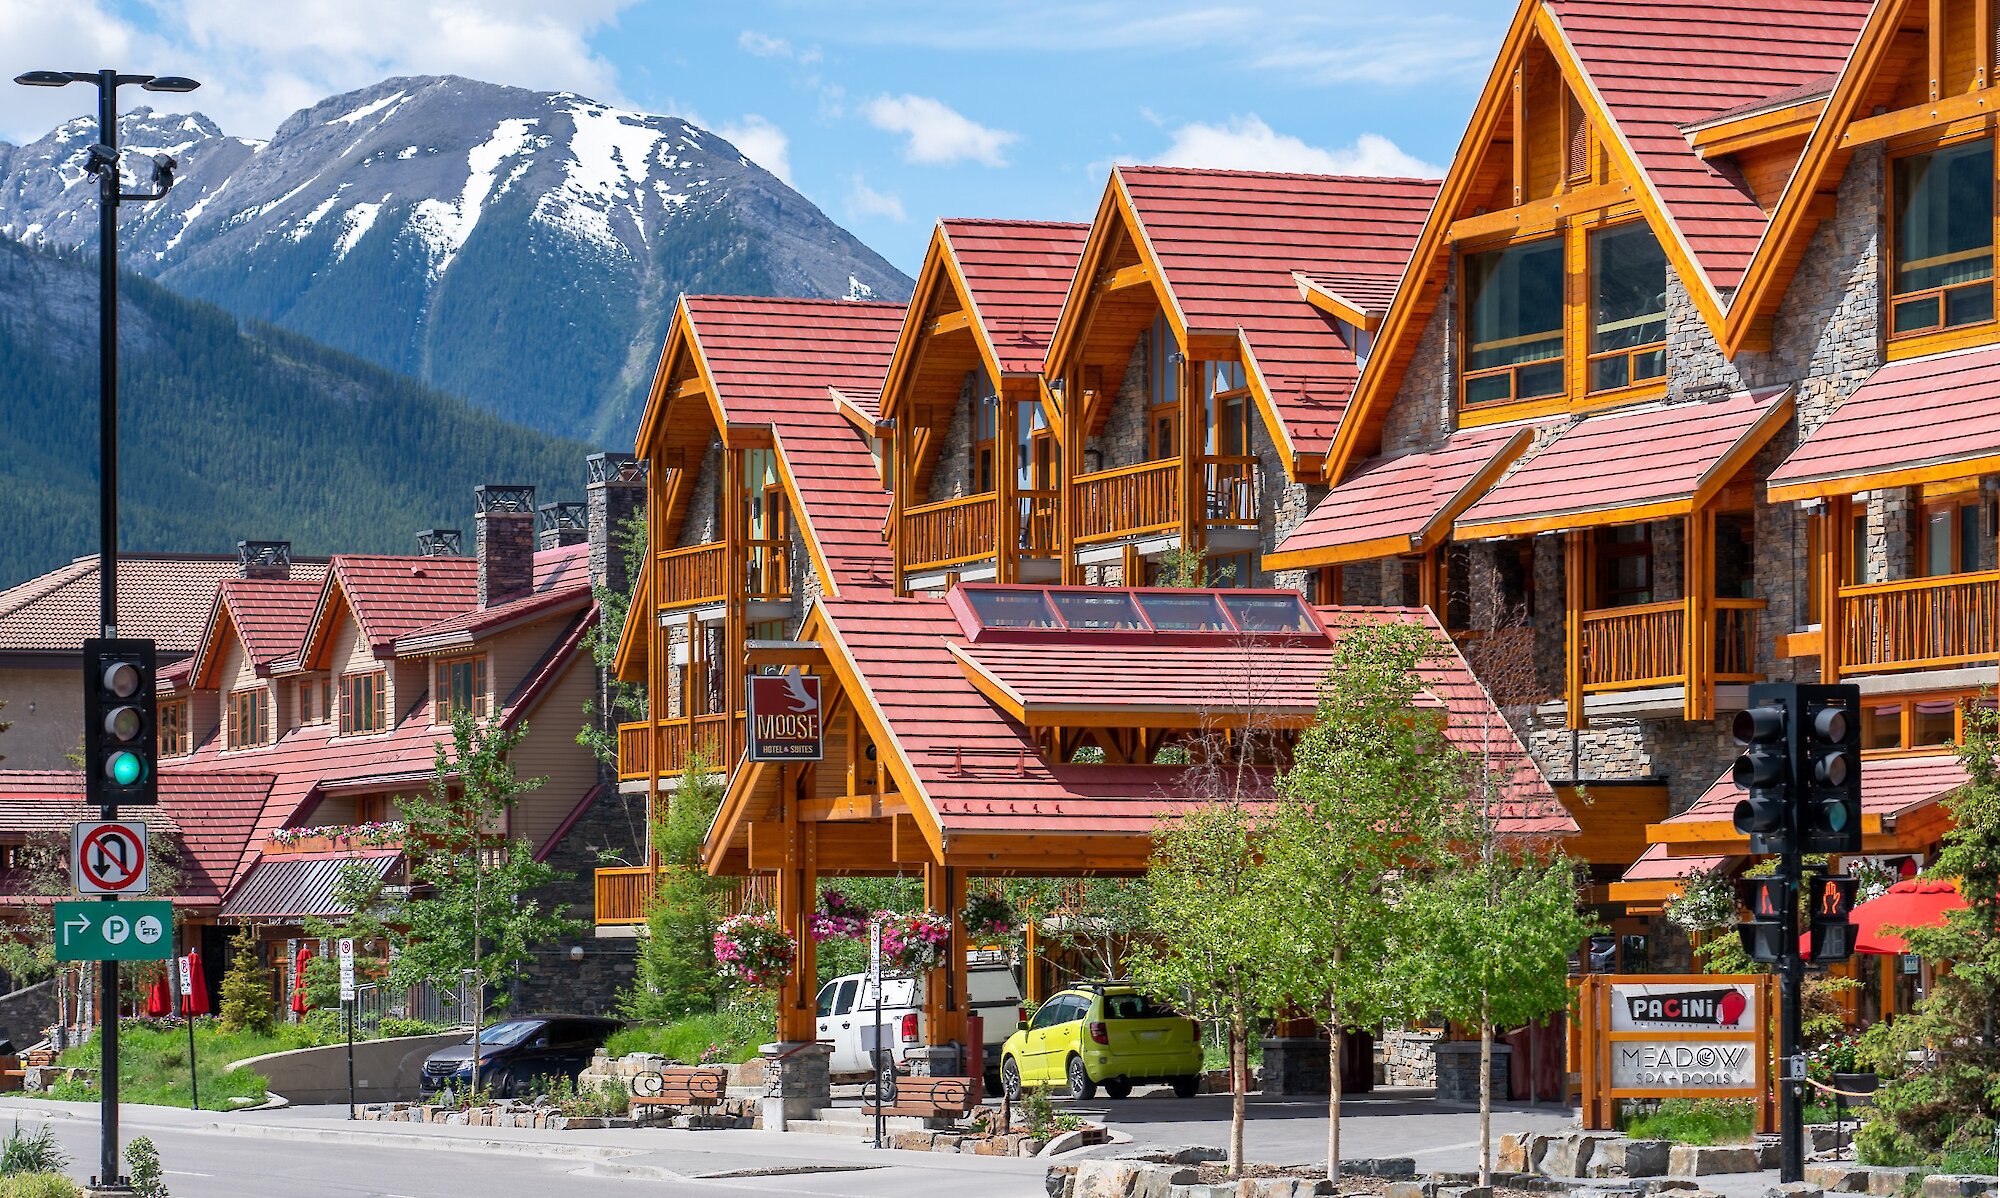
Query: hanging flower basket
{"x":989,"y":915}
{"x":840,"y":918}
{"x":754,"y":950}
{"x":916,"y":942}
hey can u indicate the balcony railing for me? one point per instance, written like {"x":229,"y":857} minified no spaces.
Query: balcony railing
{"x":624,"y":893}
{"x":1919,"y":623}
{"x":691,"y":575}
{"x":949,"y":533}
{"x":1231,"y":486}
{"x":1040,"y":532}
{"x":1627,"y":648}
{"x":639,"y":755}
{"x":1128,"y":501}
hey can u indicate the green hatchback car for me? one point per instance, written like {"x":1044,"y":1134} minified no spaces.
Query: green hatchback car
{"x":1107,"y":1035}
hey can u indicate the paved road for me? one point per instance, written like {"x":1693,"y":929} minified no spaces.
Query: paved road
{"x":313,"y":1153}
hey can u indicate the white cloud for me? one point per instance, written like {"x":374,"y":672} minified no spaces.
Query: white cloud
{"x":761,"y":142}
{"x":763,"y":45}
{"x":937,"y":133}
{"x":1246,"y":143}
{"x":863,"y":200}
{"x":259,"y":61}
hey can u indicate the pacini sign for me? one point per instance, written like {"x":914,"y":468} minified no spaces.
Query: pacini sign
{"x":785,"y":718}
{"x":1716,"y":1008}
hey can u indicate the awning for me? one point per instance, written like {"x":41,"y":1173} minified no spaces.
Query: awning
{"x":1656,"y":877}
{"x":1630,"y":466}
{"x":1917,"y":903}
{"x":294,"y":886}
{"x":1403,"y":504}
{"x":1893,"y":791}
{"x":1916,"y":421}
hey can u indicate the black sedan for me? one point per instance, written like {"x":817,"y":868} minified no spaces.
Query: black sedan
{"x":517,"y":1056}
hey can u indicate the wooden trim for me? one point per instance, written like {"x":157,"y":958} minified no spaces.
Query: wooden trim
{"x":1571,"y":521}
{"x":1336,"y":305}
{"x":1754,"y":438}
{"x":1755,"y":129}
{"x":1844,"y":486}
{"x":1335,"y":555}
{"x":951,"y":322}
{"x":1540,"y":216}
{"x":1136,"y":275}
{"x":690,"y":388}
{"x":1940,"y":341}
{"x":1800,"y":644}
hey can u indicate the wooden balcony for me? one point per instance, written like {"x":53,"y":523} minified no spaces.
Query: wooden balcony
{"x":1037,"y":514}
{"x":691,"y":576}
{"x":1129,"y":501}
{"x":767,"y":571}
{"x":1232,"y":486}
{"x":639,"y":756}
{"x":1630,"y":648}
{"x":624,"y":894}
{"x":949,"y":533}
{"x":1920,"y":623}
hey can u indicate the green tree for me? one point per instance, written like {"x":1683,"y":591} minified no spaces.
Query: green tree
{"x":676,"y":973}
{"x":479,"y":916}
{"x":370,"y":921}
{"x":1940,"y":1097}
{"x":622,"y":700}
{"x":1213,"y":924}
{"x":246,"y":988}
{"x":1372,"y":792}
{"x":1095,"y":918}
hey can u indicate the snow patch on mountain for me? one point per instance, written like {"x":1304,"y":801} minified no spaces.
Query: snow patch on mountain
{"x":354,"y":225}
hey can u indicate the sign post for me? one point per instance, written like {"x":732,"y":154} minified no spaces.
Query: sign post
{"x":1674,"y":1036}
{"x":882,"y":1064}
{"x":187,"y":992}
{"x":115,"y":931}
{"x":351,"y":1008}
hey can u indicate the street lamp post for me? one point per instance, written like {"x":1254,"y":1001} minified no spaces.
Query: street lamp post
{"x":103,"y":162}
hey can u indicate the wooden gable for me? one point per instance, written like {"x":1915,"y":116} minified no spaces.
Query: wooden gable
{"x":940,"y":342}
{"x":1118,"y":292}
{"x":683,"y":415}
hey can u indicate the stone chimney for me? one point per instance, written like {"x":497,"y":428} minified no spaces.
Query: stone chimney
{"x":504,"y":539}
{"x":561,"y":524}
{"x":441,"y":542}
{"x":264,"y":559}
{"x":616,"y":491}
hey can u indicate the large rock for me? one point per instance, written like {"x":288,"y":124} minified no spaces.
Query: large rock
{"x":1393,"y":1167}
{"x":1795,"y":1189}
{"x":1170,"y":1154}
{"x":1106,"y":1179}
{"x":1703,"y":1160}
{"x":1958,"y":1185}
{"x":1571,"y":1155}
{"x":1891,"y":1180}
{"x":1846,"y":1178}
{"x":1630,"y":1158}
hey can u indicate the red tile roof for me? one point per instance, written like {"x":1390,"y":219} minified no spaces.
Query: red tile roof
{"x":1660,"y":66}
{"x":773,"y":362}
{"x":1368,"y":291}
{"x":1018,"y":272}
{"x":562,"y":579}
{"x":981,"y":771}
{"x":270,"y":618}
{"x":1910,"y":414}
{"x":1654,"y":865}
{"x":212,"y":813}
{"x":1606,"y":465}
{"x":1889,"y":787}
{"x":1396,"y":505}
{"x":162,"y":596}
{"x":1228,"y":242}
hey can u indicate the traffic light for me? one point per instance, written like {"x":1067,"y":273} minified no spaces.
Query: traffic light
{"x":1763,"y":934}
{"x":1765,"y":731}
{"x":1832,"y":931}
{"x":120,"y":745}
{"x":1829,"y":769}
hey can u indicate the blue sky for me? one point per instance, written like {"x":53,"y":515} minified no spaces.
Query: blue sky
{"x":887,"y":113}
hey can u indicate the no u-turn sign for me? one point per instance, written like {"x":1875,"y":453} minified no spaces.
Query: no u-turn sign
{"x":108,"y":857}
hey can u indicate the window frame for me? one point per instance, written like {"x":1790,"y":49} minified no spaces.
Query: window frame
{"x":175,"y":734}
{"x":379,"y":680}
{"x":1466,"y":373}
{"x":1909,"y":342}
{"x":446,"y":690}
{"x":1592,"y":237}
{"x":258,"y":698}
{"x":1961,"y":701}
{"x":1164,"y":435}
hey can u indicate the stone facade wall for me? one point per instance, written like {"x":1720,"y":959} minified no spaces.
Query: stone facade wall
{"x":703,"y":522}
{"x":951,"y":474}
{"x":1409,"y":1057}
{"x":1123,"y":441}
{"x":1827,"y":334}
{"x":1282,"y":506}
{"x":1425,"y":409}
{"x":1689,"y":756}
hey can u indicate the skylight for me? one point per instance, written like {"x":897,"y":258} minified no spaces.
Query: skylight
{"x":990,"y":611}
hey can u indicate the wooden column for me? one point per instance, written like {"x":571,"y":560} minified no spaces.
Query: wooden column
{"x":1075,"y":426}
{"x":1834,"y":534}
{"x":735,"y":601}
{"x":897,"y":452}
{"x":659,"y":667}
{"x":1430,"y":591}
{"x":944,"y":987}
{"x":1698,"y":625}
{"x":1006,"y":541}
{"x":1194,"y":440}
{"x":1576,"y":595}
{"x":796,"y":1016}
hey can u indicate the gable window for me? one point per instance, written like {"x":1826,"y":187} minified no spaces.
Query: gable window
{"x":363,"y":703}
{"x":1163,"y":400}
{"x":174,"y":739}
{"x":249,"y":718}
{"x":1943,"y":239}
{"x":461,"y":686}
{"x":985,"y":437}
{"x":1628,"y":307}
{"x":315,"y":700}
{"x":1514,"y":322}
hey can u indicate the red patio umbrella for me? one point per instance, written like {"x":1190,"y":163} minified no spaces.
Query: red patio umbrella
{"x":299,"y":979}
{"x":1917,"y":903}
{"x":158,"y":1001}
{"x":195,"y":1003}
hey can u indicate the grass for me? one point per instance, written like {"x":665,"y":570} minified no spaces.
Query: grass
{"x":153,"y":1063}
{"x":1216,"y":1055}
{"x":1696,"y":1121}
{"x":726,"y":1037}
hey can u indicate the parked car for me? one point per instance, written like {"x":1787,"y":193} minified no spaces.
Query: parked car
{"x":516,"y":1055}
{"x":847,"y":1009}
{"x":1102,"y":1034}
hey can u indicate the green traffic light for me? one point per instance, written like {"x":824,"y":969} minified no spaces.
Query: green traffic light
{"x":1834,"y":813}
{"x":125,"y":769}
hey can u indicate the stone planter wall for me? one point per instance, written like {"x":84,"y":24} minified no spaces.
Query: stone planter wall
{"x":1458,"y":1071}
{"x":1409,"y":1057}
{"x":731,"y":1113}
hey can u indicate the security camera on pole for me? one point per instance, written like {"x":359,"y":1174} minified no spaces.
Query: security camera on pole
{"x":118,"y":690}
{"x":1801,"y":771}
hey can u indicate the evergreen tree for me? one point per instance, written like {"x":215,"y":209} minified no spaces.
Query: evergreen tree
{"x":676,"y":973}
{"x":246,"y":988}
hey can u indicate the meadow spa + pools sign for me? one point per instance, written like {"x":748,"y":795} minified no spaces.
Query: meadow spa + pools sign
{"x":1673,"y":1036}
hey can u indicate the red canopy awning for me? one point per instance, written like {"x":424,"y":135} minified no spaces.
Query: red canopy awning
{"x":1917,"y":903}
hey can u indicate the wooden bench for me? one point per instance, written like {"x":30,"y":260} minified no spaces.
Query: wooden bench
{"x":681,"y":1086}
{"x":927,"y":1097}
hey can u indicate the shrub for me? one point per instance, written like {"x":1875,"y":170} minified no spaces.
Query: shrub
{"x":1698,"y":1121}
{"x":142,"y":1166}
{"x":246,"y":988}
{"x":39,"y":1185}
{"x":32,"y":1152}
{"x":389,"y":1029}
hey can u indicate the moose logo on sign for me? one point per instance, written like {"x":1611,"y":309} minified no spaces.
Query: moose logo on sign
{"x":1711,"y":1008}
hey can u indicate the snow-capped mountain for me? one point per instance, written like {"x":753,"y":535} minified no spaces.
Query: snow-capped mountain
{"x":520,"y":248}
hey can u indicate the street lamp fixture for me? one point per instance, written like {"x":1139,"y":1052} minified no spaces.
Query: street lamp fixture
{"x":102,"y":161}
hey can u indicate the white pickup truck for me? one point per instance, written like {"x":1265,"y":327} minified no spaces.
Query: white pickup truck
{"x":847,"y":1012}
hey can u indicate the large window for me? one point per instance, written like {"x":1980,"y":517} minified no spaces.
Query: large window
{"x":461,"y":686}
{"x":249,"y":718}
{"x":985,"y":435}
{"x":1624,"y":565}
{"x":363,"y":703}
{"x":1163,"y":396}
{"x":1628,"y":307}
{"x":1514,"y":322}
{"x":1953,"y":539}
{"x":1943,"y":205}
